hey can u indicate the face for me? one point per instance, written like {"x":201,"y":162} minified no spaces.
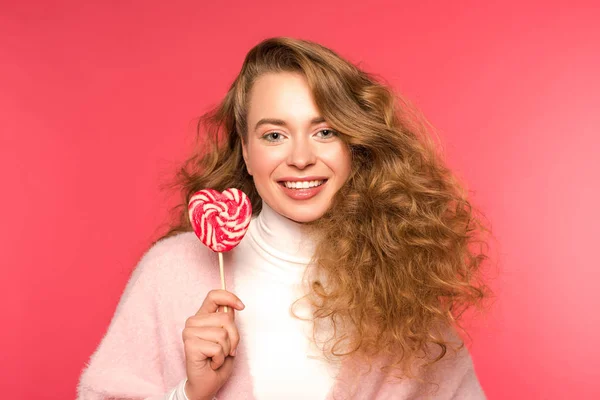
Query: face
{"x":297,"y":161}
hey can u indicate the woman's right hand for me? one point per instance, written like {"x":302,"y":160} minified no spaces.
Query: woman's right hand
{"x":210,"y":340}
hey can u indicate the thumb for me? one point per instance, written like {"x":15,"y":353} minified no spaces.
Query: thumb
{"x":224,"y":372}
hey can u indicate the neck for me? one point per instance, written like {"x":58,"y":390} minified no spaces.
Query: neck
{"x":282,"y":237}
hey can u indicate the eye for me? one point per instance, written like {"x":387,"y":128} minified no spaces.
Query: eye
{"x":326,"y":133}
{"x":272,"y":137}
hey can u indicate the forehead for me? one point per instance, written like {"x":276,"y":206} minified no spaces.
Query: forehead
{"x":283,"y":95}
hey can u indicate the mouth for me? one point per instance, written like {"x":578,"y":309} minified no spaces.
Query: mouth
{"x":299,"y":185}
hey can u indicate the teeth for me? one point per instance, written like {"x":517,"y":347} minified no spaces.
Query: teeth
{"x":302,"y":185}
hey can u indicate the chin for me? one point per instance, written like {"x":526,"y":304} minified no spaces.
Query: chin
{"x":304,"y":216}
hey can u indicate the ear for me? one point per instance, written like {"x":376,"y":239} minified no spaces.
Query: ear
{"x":245,"y":155}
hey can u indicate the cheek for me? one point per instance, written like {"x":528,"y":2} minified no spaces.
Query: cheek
{"x":338,"y":159}
{"x":264,"y":160}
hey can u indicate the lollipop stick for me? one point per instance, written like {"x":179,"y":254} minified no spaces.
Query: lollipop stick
{"x":222,"y":276}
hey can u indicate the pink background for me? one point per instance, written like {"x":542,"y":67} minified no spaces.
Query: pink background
{"x":96,"y":109}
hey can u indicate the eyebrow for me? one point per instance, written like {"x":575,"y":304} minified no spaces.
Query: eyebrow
{"x":280,"y":122}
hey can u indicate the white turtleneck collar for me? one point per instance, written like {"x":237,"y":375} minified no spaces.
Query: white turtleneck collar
{"x":281,"y":237}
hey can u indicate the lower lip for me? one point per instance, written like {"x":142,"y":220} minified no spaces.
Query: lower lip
{"x":302,"y":194}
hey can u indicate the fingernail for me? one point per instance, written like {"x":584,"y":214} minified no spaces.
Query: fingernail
{"x":234,"y":352}
{"x":240,"y":304}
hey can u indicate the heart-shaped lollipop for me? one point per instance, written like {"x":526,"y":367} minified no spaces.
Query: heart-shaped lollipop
{"x":220,"y":220}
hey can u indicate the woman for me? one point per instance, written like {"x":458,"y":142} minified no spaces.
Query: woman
{"x":355,"y":270}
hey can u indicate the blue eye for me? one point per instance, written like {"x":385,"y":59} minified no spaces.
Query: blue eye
{"x":273,"y":137}
{"x":327,"y":133}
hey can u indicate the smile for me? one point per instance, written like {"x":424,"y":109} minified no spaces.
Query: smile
{"x":302,"y":184}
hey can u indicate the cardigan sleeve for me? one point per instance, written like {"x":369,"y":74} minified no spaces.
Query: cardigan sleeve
{"x":127,"y":363}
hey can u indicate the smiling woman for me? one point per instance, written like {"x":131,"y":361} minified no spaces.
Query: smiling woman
{"x":359,"y":261}
{"x":296,"y":160}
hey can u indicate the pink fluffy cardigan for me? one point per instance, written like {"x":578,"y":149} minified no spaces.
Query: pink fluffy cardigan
{"x":141,"y":355}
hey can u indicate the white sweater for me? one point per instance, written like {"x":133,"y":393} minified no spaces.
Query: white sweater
{"x":270,"y":265}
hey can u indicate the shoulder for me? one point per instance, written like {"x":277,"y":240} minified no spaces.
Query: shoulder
{"x":179,"y":258}
{"x":453,"y":376}
{"x":452,"y":359}
{"x":173,"y":276}
{"x":455,"y":372}
{"x":177,"y":247}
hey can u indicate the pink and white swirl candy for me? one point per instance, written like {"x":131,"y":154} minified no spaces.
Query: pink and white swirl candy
{"x":220,"y":220}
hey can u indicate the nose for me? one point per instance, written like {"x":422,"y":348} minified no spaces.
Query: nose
{"x":301,"y":154}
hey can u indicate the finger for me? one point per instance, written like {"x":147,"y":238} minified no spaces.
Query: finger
{"x":216,"y":320}
{"x":218,"y":335}
{"x":230,"y":311}
{"x":227,"y":366}
{"x":212,"y":319}
{"x":219,"y":297}
{"x":199,"y":350}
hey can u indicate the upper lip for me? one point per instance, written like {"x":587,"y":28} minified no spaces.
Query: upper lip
{"x":302,"y":179}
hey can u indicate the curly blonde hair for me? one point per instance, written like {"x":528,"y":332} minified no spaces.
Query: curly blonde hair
{"x":400,"y":248}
